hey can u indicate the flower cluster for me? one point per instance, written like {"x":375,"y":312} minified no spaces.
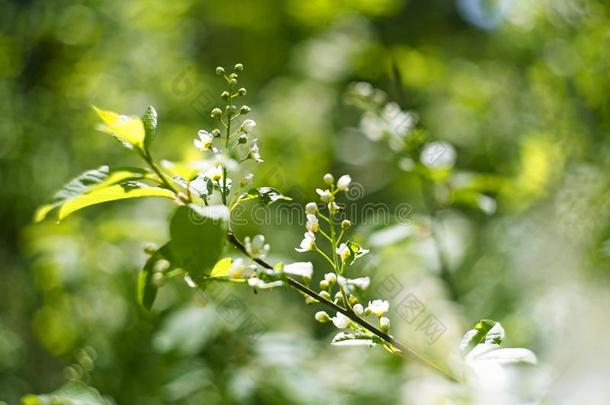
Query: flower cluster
{"x":325,"y":235}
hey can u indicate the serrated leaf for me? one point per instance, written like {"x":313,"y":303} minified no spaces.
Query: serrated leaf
{"x":485,"y":331}
{"x":198,"y":237}
{"x":149,"y":120}
{"x":122,"y":191}
{"x":86,"y":182}
{"x":221,"y":268}
{"x":266,"y":195}
{"x":128,"y":130}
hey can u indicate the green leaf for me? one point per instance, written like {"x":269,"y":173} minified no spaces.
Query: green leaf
{"x":198,"y":236}
{"x":147,"y":289}
{"x":128,"y":130}
{"x":355,"y":339}
{"x":88,"y":181}
{"x":356,"y":251}
{"x":266,"y":195}
{"x":122,"y":191}
{"x":485,"y":331}
{"x":221,"y":269}
{"x":149,"y":120}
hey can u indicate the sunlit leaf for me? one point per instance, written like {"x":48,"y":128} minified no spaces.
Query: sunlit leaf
{"x":485,"y":331}
{"x":128,"y":130}
{"x":198,"y":237}
{"x":123,"y":191}
{"x":356,"y":251}
{"x":221,"y":268}
{"x":73,"y":392}
{"x":86,"y":182}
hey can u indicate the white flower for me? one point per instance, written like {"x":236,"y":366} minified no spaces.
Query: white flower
{"x":308,"y":242}
{"x":378,"y":307}
{"x":343,"y":251}
{"x":344,"y":182}
{"x":325,"y":195}
{"x":331,"y":278}
{"x":322,"y":316}
{"x":239,"y":269}
{"x":312,"y":224}
{"x":341,"y":321}
{"x":254,"y":152}
{"x":437,"y":155}
{"x":205,"y":140}
{"x":311,"y":208}
{"x":360,"y":282}
{"x":261,"y":285}
{"x":384,"y":324}
{"x":333,"y":208}
{"x":257,"y":248}
{"x":214,"y":173}
{"x":303,"y":269}
{"x":248,"y":125}
{"x":358,"y":309}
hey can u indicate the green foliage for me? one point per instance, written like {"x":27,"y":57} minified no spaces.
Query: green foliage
{"x":198,"y":239}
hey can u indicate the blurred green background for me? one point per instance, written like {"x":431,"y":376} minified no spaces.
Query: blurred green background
{"x":519,"y":88}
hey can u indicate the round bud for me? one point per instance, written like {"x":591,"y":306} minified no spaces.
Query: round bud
{"x":220,"y":71}
{"x":216,"y":133}
{"x":325,"y":295}
{"x":242,"y":139}
{"x":324,"y":284}
{"x":245,"y":109}
{"x":161,"y":266}
{"x":310,"y":300}
{"x":345,"y":224}
{"x":322,"y":316}
{"x":225,"y":95}
{"x":384,"y":324}
{"x":352,"y":299}
{"x":233,"y":81}
{"x":158,"y":279}
{"x":311,"y":208}
{"x":358,"y":309}
{"x":150,"y":248}
{"x":233,"y":76}
{"x":239,"y":67}
{"x":338,"y":296}
{"x":329,"y":179}
{"x":231,"y":109}
{"x":216,"y":113}
{"x":242,"y":91}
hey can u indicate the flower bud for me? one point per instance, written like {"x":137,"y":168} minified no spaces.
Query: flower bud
{"x":239,"y":67}
{"x":245,"y":109}
{"x":231,"y":109}
{"x":242,"y":91}
{"x":216,"y":133}
{"x":161,"y":266}
{"x":216,"y":113}
{"x":324,"y":294}
{"x":233,"y":81}
{"x":345,"y":224}
{"x":331,"y":278}
{"x":311,"y":208}
{"x":324,"y":284}
{"x":384,"y":324}
{"x":225,"y":95}
{"x":352,"y":299}
{"x":150,"y":248}
{"x":242,"y":139}
{"x":322,"y":316}
{"x":220,"y":71}
{"x":310,"y":300}
{"x":158,"y":279}
{"x":248,"y":125}
{"x":344,"y":182}
{"x":358,"y":309}
{"x":338,"y":296}
{"x":329,"y":179}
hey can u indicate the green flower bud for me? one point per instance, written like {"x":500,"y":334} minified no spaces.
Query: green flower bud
{"x":158,"y":279}
{"x":325,"y":294}
{"x":150,"y":248}
{"x":225,"y":95}
{"x":231,"y":109}
{"x":239,"y":67}
{"x":242,"y":91}
{"x":358,"y":309}
{"x":322,"y":316}
{"x":233,"y":81}
{"x":329,"y":179}
{"x":242,"y":139}
{"x":331,"y":278}
{"x":345,"y":224}
{"x":216,"y":113}
{"x":220,"y":71}
{"x":161,"y":266}
{"x":245,"y":109}
{"x":324,"y":284}
{"x":216,"y":133}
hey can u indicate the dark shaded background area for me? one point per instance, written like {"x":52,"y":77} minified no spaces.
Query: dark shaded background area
{"x":518,"y":88}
